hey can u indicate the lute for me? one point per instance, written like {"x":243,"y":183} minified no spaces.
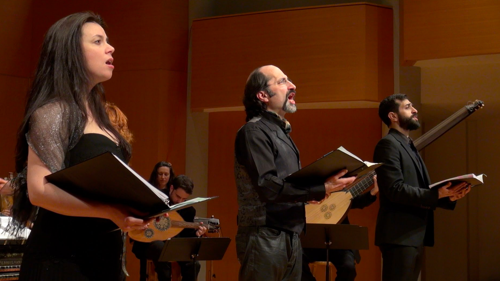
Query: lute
{"x":164,"y":228}
{"x":334,"y":209}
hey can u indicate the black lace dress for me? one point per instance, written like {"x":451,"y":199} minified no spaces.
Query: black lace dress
{"x":75,"y":248}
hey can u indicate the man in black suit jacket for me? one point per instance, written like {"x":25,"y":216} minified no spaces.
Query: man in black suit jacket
{"x":405,"y":222}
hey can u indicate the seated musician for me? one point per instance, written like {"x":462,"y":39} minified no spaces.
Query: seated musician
{"x":343,"y":260}
{"x":5,"y":192}
{"x":180,"y":189}
{"x":5,"y":187}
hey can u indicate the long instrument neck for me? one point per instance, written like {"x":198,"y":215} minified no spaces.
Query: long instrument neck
{"x":441,"y":128}
{"x":362,"y":185}
{"x":184,"y":224}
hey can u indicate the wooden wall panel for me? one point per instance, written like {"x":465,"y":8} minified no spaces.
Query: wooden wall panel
{"x":12,"y":93}
{"x":380,"y":61}
{"x":331,"y":52}
{"x":146,"y":34}
{"x":15,"y":31}
{"x":315,"y":132}
{"x":449,"y":28}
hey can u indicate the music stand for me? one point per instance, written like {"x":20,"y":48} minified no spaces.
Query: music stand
{"x":194,"y":249}
{"x":334,"y":236}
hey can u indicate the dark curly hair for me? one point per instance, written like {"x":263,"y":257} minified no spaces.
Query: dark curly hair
{"x":183,"y":182}
{"x":390,"y":104}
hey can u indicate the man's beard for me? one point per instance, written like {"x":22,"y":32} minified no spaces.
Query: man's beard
{"x":409,"y":123}
{"x":289,"y":107}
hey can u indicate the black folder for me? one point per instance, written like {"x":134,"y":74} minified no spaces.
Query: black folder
{"x":330,"y":164}
{"x":105,"y":178}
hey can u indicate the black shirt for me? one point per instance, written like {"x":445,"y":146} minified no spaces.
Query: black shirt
{"x":264,"y":155}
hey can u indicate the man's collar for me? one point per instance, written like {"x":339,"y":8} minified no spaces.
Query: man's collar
{"x":278,"y":120}
{"x":275,"y":114}
{"x":400,"y":130}
{"x":403,"y":136}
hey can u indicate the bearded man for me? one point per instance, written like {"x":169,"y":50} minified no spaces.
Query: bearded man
{"x":405,"y":222}
{"x":271,"y":211}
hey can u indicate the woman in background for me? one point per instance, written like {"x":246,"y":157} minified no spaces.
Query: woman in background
{"x":65,"y":123}
{"x":162,"y":176}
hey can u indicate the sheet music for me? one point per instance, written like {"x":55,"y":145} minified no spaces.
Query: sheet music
{"x":158,"y":192}
{"x":470,"y":178}
{"x":190,"y":202}
{"x":184,"y":204}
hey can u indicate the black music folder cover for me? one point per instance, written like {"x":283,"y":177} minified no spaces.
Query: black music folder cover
{"x":107,"y":179}
{"x":330,"y":164}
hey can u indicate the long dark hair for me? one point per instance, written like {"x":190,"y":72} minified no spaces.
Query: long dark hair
{"x":61,"y":76}
{"x":256,"y":82}
{"x":153,"y":178}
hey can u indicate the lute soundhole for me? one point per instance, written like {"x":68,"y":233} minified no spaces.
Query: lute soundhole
{"x":332,"y":207}
{"x":162,"y":224}
{"x":149,"y":233}
{"x":324,"y":208}
{"x":328,"y":215}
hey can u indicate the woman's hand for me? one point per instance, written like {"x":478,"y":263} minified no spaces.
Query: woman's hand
{"x":5,"y":187}
{"x":123,"y":218}
{"x":2,"y":182}
{"x":374,"y":190}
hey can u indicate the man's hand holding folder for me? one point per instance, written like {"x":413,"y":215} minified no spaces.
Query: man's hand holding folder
{"x":337,"y":182}
{"x":340,"y":163}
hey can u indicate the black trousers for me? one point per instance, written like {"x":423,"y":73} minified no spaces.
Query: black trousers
{"x":401,"y":263}
{"x":152,"y":251}
{"x":343,"y":260}
{"x":268,"y":254}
